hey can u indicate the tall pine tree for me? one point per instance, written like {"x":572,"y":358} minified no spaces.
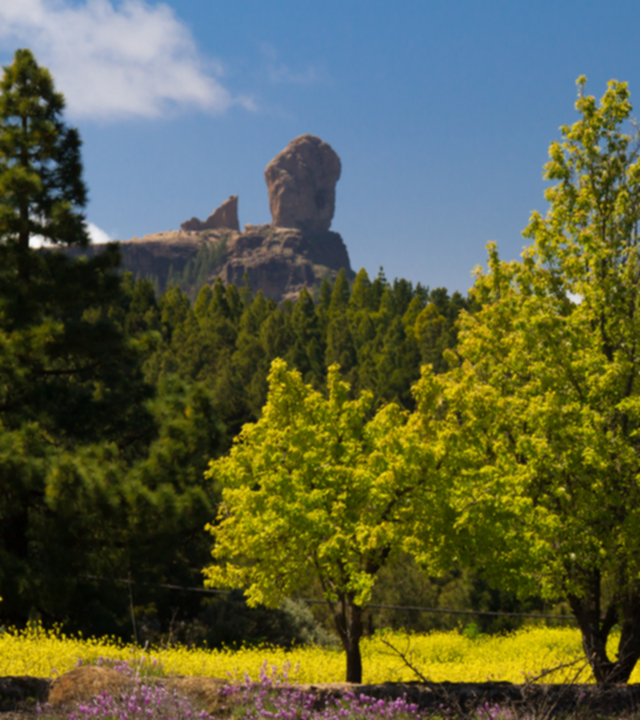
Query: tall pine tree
{"x":69,"y":376}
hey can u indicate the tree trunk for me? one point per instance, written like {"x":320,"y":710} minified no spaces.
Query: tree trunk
{"x":348,"y":620}
{"x":352,"y":646}
{"x":23,"y":235}
{"x":595,"y":631}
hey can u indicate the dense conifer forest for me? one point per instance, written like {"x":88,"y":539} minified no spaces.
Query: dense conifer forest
{"x":379,"y":332}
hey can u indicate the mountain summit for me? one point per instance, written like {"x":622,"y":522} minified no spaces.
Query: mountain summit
{"x":295,"y":250}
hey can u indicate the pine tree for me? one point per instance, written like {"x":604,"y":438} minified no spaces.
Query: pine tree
{"x":69,"y":376}
{"x":307,"y":350}
{"x":340,"y":347}
{"x":41,"y":186}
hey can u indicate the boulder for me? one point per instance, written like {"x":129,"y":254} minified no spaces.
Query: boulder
{"x":225,"y":216}
{"x":83,"y":683}
{"x":301,"y":181}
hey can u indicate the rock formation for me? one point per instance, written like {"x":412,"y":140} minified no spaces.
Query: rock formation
{"x":301,"y":181}
{"x":277,"y":261}
{"x":297,"y":250}
{"x":225,"y":216}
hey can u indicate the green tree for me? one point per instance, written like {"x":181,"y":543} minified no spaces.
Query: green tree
{"x":41,"y":187}
{"x":69,"y":375}
{"x":543,"y":428}
{"x":315,"y":489}
{"x":340,"y":348}
{"x":306,"y":352}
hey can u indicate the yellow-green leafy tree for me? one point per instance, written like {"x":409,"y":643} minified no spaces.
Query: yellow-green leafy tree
{"x":542,"y":413}
{"x":320,"y":487}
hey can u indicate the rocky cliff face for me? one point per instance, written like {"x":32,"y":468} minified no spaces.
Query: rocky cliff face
{"x":277,"y":261}
{"x":296,"y":250}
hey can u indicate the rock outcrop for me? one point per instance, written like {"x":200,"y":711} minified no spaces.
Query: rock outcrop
{"x":277,"y":261}
{"x":301,"y":181}
{"x":281,"y":261}
{"x":225,"y":216}
{"x":296,"y":250}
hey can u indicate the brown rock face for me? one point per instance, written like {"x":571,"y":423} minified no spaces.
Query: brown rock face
{"x":301,"y":181}
{"x":278,"y":261}
{"x":281,"y":261}
{"x":225,"y":216}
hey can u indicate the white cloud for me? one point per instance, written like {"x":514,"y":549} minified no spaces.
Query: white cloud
{"x":97,"y":235}
{"x":134,"y":59}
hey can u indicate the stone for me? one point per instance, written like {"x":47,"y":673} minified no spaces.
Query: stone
{"x":83,"y":683}
{"x":301,"y":181}
{"x":225,"y":216}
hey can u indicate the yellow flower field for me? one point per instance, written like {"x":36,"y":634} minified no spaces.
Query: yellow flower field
{"x":439,"y":656}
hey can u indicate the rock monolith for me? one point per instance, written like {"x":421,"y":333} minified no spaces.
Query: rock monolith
{"x":301,"y":181}
{"x":225,"y":216}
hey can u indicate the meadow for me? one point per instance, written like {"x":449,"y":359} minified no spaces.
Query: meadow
{"x":439,"y":656}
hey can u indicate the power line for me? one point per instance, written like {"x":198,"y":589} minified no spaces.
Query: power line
{"x":315,"y":601}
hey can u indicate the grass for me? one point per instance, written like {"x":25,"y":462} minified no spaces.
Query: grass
{"x":439,"y":656}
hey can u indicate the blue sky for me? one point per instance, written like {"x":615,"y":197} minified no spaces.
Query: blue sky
{"x":442,"y":112}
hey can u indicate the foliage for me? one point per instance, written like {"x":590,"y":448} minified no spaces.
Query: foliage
{"x":230,"y":622}
{"x":541,"y":418}
{"x":273,"y":698}
{"x":199,"y":271}
{"x":317,"y":489}
{"x":72,"y":394}
{"x":440,"y":656}
{"x":402,"y":582}
{"x":97,"y":478}
{"x":41,"y":187}
{"x":229,"y":338}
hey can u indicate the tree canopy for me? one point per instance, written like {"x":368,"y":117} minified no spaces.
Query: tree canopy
{"x":93,"y":469}
{"x":319,"y":487}
{"x":541,"y":416}
{"x":521,"y":459}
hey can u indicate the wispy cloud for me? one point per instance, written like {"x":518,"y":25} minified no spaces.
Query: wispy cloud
{"x":279,"y":73}
{"x":133,"y":59}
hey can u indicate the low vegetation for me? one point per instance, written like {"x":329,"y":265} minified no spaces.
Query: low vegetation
{"x":457,"y":657}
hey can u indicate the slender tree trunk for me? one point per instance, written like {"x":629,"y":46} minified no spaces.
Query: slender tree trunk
{"x":348,"y":621}
{"x":352,"y":648}
{"x":23,"y":236}
{"x":595,"y":629}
